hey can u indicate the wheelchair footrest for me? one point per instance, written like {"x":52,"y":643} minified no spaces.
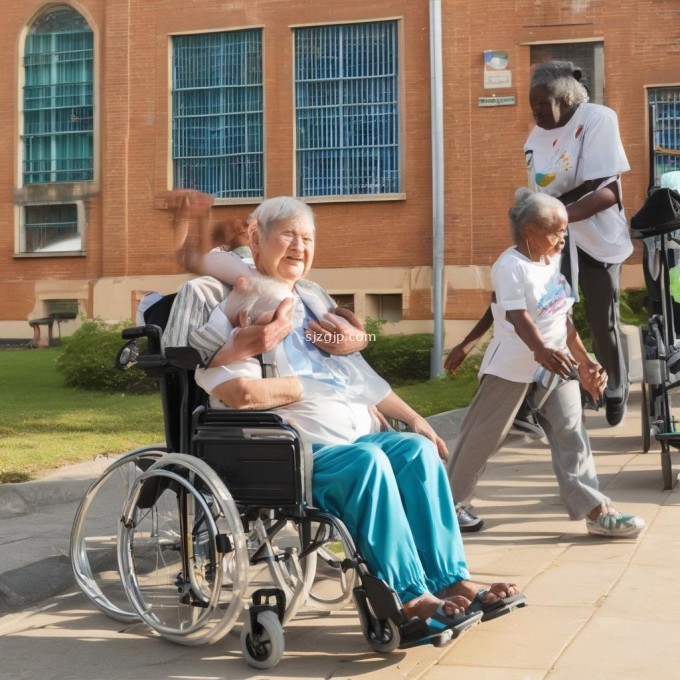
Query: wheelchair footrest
{"x":416,"y":632}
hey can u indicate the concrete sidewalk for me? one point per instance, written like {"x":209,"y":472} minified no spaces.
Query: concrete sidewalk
{"x":598,"y":608}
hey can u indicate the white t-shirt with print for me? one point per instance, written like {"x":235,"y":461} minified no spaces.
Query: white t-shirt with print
{"x":587,"y":147}
{"x":537,"y":287}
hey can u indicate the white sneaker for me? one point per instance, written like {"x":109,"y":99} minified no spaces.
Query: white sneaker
{"x":615,"y":524}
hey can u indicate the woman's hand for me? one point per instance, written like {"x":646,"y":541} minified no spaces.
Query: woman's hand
{"x":593,"y":378}
{"x":460,"y":352}
{"x":456,"y":357}
{"x":420,"y":426}
{"x":250,"y":340}
{"x":393,"y":406}
{"x":338,"y":332}
{"x":555,"y":361}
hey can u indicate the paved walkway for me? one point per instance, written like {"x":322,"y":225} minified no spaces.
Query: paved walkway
{"x":598,"y":608}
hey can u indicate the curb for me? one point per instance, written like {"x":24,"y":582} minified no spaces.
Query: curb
{"x":20,"y":588}
{"x":23,"y":498}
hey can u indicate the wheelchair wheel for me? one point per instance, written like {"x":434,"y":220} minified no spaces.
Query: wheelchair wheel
{"x":263,"y":648}
{"x":182,"y":552}
{"x":95,"y":527}
{"x":381,"y":634}
{"x":386,"y":639}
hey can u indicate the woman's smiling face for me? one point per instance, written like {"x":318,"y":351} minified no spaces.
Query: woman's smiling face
{"x":288,"y":251}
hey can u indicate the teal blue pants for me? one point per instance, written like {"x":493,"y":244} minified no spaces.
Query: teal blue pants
{"x":392,"y":493}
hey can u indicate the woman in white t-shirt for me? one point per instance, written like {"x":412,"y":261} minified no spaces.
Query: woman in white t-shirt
{"x":534,"y":352}
{"x":575,"y":154}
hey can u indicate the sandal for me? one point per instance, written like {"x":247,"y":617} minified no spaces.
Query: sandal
{"x":492,"y":610}
{"x":440,"y":620}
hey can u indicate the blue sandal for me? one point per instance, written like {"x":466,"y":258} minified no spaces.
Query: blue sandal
{"x":492,"y":610}
{"x":440,"y":620}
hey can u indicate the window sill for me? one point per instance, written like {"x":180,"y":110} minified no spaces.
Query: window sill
{"x":73,"y":253}
{"x":358,"y":198}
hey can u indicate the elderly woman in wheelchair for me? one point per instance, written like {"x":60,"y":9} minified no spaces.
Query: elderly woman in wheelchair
{"x":387,"y":487}
{"x":389,"y":490}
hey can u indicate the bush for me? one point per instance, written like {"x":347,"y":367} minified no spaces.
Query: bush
{"x":88,"y":360}
{"x":400,"y":359}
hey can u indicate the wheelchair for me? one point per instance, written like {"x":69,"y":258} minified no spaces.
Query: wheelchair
{"x":220,"y":508}
{"x":659,"y":230}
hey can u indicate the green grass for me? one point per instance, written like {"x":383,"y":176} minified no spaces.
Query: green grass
{"x":45,"y":425}
{"x":445,"y":393}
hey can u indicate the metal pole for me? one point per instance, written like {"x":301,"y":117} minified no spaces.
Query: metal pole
{"x":437,"y":125}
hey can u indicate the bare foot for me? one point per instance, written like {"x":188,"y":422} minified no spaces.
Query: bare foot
{"x":426,"y":605}
{"x":469,"y":589}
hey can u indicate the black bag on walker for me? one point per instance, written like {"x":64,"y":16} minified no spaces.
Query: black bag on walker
{"x":660,"y":214}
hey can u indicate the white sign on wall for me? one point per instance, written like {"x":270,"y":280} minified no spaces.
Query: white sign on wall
{"x":496,"y":72}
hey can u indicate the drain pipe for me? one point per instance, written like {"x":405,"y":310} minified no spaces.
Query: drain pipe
{"x":437,"y":126}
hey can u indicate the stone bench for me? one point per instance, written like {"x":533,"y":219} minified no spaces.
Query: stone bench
{"x":48,"y":322}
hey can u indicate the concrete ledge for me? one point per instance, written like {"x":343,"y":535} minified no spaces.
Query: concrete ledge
{"x":34,"y":582}
{"x":26,"y":497}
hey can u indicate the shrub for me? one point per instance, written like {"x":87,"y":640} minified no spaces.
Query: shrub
{"x":399,"y":359}
{"x":88,"y":360}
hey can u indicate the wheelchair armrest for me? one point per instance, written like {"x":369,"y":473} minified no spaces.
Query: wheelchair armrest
{"x":182,"y":357}
{"x":150,"y":331}
{"x":241,"y":418}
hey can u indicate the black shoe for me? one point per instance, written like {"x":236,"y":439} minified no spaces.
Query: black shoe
{"x":615,"y":410}
{"x":467,"y":521}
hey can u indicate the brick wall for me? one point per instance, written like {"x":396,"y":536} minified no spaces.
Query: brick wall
{"x":127,"y":234}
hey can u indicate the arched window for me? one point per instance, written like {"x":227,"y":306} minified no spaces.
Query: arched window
{"x":58,"y":95}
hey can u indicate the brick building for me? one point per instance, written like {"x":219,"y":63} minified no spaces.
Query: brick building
{"x":108,"y":103}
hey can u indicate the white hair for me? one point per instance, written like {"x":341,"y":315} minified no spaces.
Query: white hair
{"x":533,"y":207}
{"x":279,"y":208}
{"x":561,"y":79}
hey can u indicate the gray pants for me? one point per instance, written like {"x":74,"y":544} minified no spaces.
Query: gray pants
{"x":600,"y":284}
{"x":488,"y":421}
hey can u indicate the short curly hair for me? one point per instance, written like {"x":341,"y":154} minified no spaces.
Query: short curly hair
{"x":537,"y":208}
{"x":561,"y":79}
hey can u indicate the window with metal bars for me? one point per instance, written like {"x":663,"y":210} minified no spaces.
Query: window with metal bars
{"x":588,"y":56}
{"x":51,"y":228}
{"x":217,"y":113}
{"x":58,"y":99}
{"x":347,"y":109}
{"x":664,"y":119}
